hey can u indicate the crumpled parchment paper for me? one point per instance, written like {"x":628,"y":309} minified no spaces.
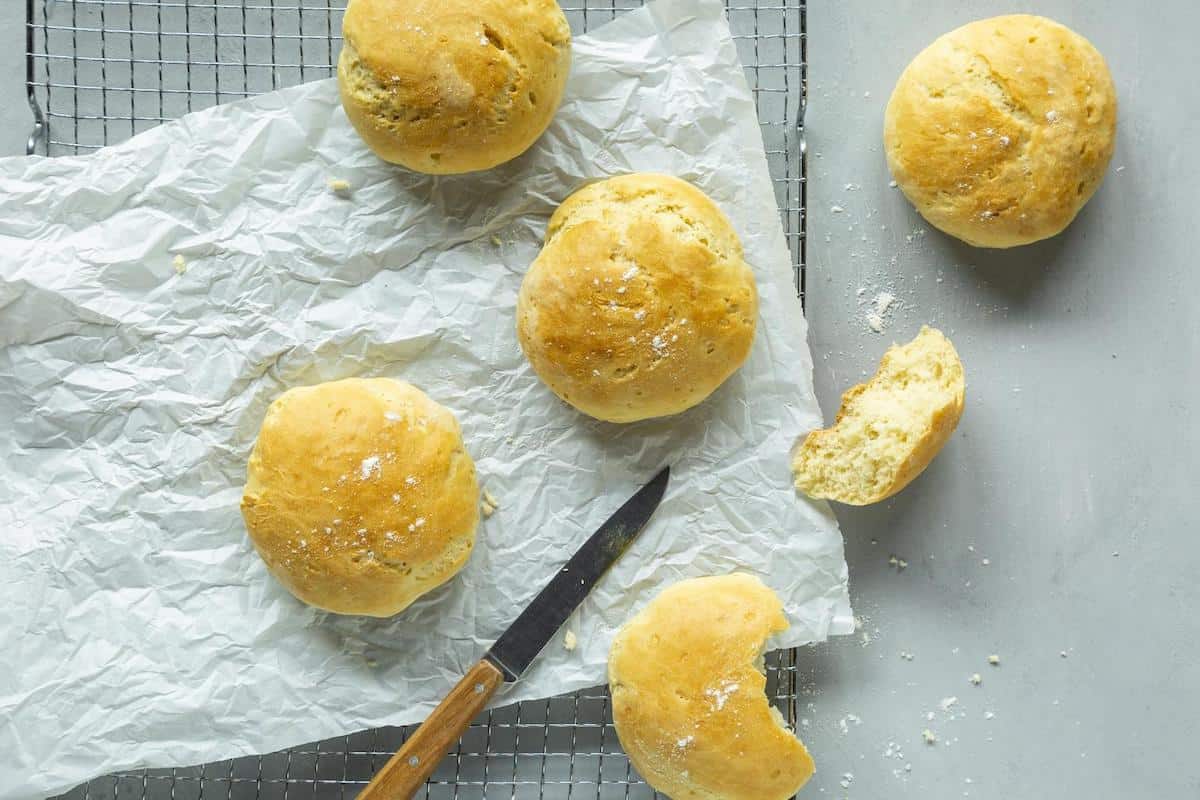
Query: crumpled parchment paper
{"x":139,"y":626}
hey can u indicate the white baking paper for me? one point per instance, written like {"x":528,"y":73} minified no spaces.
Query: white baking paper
{"x":139,"y":626}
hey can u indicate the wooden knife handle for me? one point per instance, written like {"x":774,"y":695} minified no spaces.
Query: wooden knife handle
{"x":406,"y":772}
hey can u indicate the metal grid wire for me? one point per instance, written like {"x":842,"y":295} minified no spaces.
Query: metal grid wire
{"x":100,"y":71}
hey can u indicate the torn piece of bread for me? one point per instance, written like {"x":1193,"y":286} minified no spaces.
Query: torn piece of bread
{"x":889,"y":428}
{"x":688,"y":694}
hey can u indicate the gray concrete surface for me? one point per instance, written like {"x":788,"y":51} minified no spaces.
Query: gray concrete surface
{"x":15,"y":119}
{"x":1072,"y":472}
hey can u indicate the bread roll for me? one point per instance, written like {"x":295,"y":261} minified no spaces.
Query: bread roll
{"x":889,"y":428}
{"x":1001,"y":130}
{"x":447,"y":86}
{"x":639,"y":304}
{"x":360,"y":496}
{"x":688,"y":694}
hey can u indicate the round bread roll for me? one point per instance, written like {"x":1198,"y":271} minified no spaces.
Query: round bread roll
{"x":448,"y":86}
{"x":688,"y":694}
{"x":1001,"y":130}
{"x":639,"y":304}
{"x":360,"y":496}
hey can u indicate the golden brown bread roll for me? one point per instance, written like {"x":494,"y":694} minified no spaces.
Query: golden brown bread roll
{"x":1001,"y":130}
{"x":448,"y":86}
{"x":688,"y":694}
{"x":639,"y":304}
{"x":360,"y":496}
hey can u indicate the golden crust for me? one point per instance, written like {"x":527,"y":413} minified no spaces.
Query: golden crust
{"x":639,"y":304}
{"x":688,"y":698}
{"x":450,"y":86}
{"x":925,"y":372}
{"x":1000,"y":131}
{"x":360,"y":496}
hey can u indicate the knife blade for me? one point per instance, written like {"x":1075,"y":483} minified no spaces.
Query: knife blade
{"x":518,"y":646}
{"x":405,"y":772}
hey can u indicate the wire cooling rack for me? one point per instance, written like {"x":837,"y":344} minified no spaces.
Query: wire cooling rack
{"x":100,"y":71}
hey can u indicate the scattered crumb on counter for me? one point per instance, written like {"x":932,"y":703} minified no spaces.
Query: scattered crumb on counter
{"x":570,"y":640}
{"x":907,"y":656}
{"x":989,"y":715}
{"x":987,"y":562}
{"x":877,"y":312}
{"x":976,"y":679}
{"x":836,"y":209}
{"x":948,"y":703}
{"x":1062,"y":654}
{"x":929,"y":736}
{"x":338,"y":186}
{"x":496,"y":240}
{"x":490,"y":499}
{"x":994,"y":660}
{"x":1121,"y":168}
{"x":892,"y":184}
{"x":179,"y":264}
{"x":487,"y":508}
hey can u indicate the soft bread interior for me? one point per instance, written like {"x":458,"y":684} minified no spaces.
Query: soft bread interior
{"x":888,"y":429}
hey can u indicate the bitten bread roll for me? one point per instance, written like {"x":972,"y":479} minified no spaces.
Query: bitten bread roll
{"x":688,"y":694}
{"x":889,"y":428}
{"x":1001,"y":130}
{"x":360,"y":496}
{"x":639,"y":304}
{"x":447,"y":86}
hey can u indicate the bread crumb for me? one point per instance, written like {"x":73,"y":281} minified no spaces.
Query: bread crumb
{"x":570,"y":641}
{"x":988,"y":715}
{"x":893,"y":184}
{"x":976,"y":679}
{"x":496,"y":240}
{"x":490,"y":499}
{"x":1062,"y":654}
{"x":179,"y":264}
{"x":929,"y":736}
{"x":488,"y":509}
{"x":987,"y":562}
{"x":948,"y":702}
{"x":880,"y":306}
{"x":994,"y":660}
{"x":836,"y":209}
{"x":1052,"y":116}
{"x":338,"y":186}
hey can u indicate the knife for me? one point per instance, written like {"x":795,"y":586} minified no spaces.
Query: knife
{"x":405,"y":772}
